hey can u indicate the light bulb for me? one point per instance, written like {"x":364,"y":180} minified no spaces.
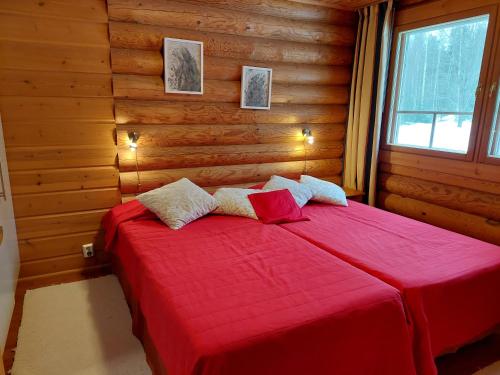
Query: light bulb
{"x":310,"y":139}
{"x":133,"y":137}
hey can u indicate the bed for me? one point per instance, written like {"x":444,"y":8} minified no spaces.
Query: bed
{"x":450,"y":283}
{"x":229,"y":295}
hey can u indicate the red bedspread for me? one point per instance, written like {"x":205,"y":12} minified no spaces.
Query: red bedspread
{"x":450,"y":282}
{"x":228,"y":295}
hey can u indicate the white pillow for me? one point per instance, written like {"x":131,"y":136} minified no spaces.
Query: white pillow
{"x":234,"y":201}
{"x":324,"y":191}
{"x":301,"y":193}
{"x":178,"y":203}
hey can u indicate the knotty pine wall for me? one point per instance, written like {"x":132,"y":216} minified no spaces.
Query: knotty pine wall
{"x":57,"y":108}
{"x":208,"y":138}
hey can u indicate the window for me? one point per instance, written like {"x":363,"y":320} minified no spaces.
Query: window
{"x":436,"y":78}
{"x":494,"y":149}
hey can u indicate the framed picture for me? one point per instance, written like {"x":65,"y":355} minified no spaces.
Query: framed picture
{"x":183,"y":66}
{"x":256,"y":87}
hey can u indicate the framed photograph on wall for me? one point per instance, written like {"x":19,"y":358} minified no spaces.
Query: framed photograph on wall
{"x":256,"y":87}
{"x":183,"y":61}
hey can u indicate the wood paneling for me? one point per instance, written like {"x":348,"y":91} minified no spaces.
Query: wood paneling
{"x":150,"y":37}
{"x":208,"y":138}
{"x":157,"y":136}
{"x":152,"y":88}
{"x":278,"y":8}
{"x":341,"y":4}
{"x":229,"y":175}
{"x":57,"y":109}
{"x":457,"y":195}
{"x":48,"y":180}
{"x":72,"y":84}
{"x":150,"y":63}
{"x":183,"y":15}
{"x":451,"y":219}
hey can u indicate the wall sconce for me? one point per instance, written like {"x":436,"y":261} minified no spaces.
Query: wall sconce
{"x":133,"y":137}
{"x":307,"y":133}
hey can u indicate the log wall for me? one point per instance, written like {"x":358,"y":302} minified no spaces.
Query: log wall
{"x":57,"y":108}
{"x":457,"y":195}
{"x":208,"y":138}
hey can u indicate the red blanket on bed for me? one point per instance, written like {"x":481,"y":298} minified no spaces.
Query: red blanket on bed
{"x":450,"y":282}
{"x":228,"y":295}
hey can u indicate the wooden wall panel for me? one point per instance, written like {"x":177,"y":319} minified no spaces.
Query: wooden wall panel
{"x":208,"y":138}
{"x":457,"y":195}
{"x":57,"y":109}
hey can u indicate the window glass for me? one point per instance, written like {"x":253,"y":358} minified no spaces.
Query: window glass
{"x":495,"y":131}
{"x":436,"y":80}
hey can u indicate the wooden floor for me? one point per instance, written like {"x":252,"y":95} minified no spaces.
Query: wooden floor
{"x":464,"y":362}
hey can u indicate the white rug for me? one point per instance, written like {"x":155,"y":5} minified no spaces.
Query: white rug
{"x":81,"y":328}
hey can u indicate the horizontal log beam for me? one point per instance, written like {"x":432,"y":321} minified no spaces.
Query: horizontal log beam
{"x":480,"y":171}
{"x":60,"y":264}
{"x":206,"y":135}
{"x":285,"y":8}
{"x":28,"y":158}
{"x":153,"y":88}
{"x":188,"y":16}
{"x":43,"y":133}
{"x":159,"y":112}
{"x":435,"y":176}
{"x":147,"y":37}
{"x":474,"y":202}
{"x":18,"y":108}
{"x":227,"y":175}
{"x":53,"y":57}
{"x":211,"y":189}
{"x":89,"y":10}
{"x":150,"y":63}
{"x":50,"y":247}
{"x":47,"y":180}
{"x":454,"y":220}
{"x":204,"y":156}
{"x":35,"y":83}
{"x":61,"y":202}
{"x":59,"y":224}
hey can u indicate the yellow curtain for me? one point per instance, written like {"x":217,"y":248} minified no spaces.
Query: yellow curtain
{"x":367,"y":99}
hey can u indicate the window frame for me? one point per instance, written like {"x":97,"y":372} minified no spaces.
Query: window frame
{"x":490,"y":104}
{"x":388,"y":128}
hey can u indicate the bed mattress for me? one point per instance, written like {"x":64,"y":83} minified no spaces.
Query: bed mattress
{"x":450,"y":283}
{"x":227,"y":295}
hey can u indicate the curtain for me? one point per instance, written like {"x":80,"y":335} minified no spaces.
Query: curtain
{"x":369,"y":82}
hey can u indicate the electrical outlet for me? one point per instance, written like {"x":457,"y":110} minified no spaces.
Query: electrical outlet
{"x":88,"y":250}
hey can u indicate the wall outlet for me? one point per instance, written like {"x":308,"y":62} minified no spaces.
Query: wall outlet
{"x":88,"y":250}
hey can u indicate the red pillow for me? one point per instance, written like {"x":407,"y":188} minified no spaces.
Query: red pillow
{"x":275,"y":207}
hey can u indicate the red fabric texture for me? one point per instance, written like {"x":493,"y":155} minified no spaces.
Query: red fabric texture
{"x":122,"y":213}
{"x":229,"y":295}
{"x":275,"y":207}
{"x":450,"y":282}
